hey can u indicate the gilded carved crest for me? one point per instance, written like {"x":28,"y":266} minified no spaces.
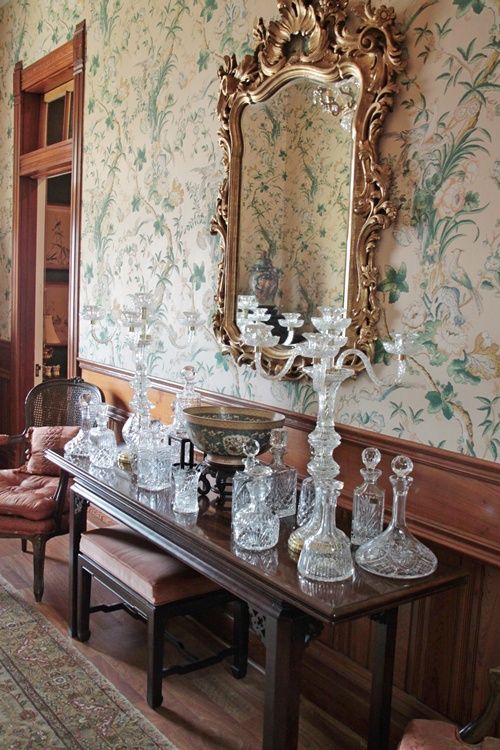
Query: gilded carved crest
{"x":324,"y":42}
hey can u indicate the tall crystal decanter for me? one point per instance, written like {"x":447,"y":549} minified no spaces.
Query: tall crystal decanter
{"x":283,"y":497}
{"x":326,"y":555}
{"x":240,"y":496}
{"x":103,"y":452}
{"x":396,"y":553}
{"x":368,"y":501}
{"x":79,"y":446}
{"x":255,"y":526}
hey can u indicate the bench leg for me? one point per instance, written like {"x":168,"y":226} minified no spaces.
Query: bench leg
{"x":84,"y":586}
{"x":240,"y":639}
{"x":156,"y":628}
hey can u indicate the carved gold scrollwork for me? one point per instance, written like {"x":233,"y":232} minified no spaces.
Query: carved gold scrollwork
{"x":323,"y":41}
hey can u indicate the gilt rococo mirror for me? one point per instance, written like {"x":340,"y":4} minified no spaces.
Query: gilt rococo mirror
{"x":304,"y":196}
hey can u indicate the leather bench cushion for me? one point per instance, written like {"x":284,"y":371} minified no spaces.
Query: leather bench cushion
{"x":143,"y":567}
{"x":424,"y":734}
{"x":27,"y":495}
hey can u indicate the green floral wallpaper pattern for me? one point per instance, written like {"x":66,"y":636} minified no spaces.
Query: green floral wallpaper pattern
{"x":152,"y":167}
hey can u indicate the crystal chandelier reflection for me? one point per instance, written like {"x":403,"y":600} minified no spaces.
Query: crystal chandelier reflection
{"x":339,"y":99}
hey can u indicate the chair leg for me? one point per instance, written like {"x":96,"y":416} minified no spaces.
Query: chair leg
{"x":84,"y":587}
{"x":24,"y":545}
{"x":240,"y":639}
{"x":156,"y":628}
{"x":39,"y":543}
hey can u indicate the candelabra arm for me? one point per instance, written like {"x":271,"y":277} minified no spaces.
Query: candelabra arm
{"x":380,"y":383}
{"x":279,"y":375}
{"x":100,"y":339}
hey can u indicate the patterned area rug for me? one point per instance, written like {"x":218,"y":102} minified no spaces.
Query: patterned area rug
{"x":51,"y":697}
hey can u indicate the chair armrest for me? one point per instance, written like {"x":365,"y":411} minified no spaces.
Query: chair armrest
{"x":478,"y":729}
{"x":12,"y":439}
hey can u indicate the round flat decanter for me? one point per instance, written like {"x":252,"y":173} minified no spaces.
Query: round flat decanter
{"x":396,"y":553}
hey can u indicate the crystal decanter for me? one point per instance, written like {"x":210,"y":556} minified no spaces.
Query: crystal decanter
{"x":255,"y":526}
{"x":283,"y":498}
{"x":240,"y":496}
{"x":79,"y":446}
{"x":368,"y":501}
{"x":396,"y":553}
{"x":103,"y":452}
{"x":326,"y":554}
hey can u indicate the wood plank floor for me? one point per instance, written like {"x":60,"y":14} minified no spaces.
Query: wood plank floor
{"x":205,"y":710}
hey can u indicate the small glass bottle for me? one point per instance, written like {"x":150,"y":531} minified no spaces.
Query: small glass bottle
{"x":255,"y":526}
{"x":368,"y":501}
{"x":79,"y":446}
{"x":103,"y":451}
{"x":396,"y":553}
{"x":283,"y":497}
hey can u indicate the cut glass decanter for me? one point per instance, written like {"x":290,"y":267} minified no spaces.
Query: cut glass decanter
{"x":79,"y":446}
{"x":326,"y":555}
{"x":186,"y":397}
{"x":283,"y":498}
{"x":368,"y":501}
{"x":396,"y":553}
{"x":255,"y":526}
{"x":103,"y":451}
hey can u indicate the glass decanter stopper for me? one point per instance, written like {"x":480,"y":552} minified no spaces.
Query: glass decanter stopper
{"x":79,"y":446}
{"x":103,"y":452}
{"x":396,"y":553}
{"x":255,"y":526}
{"x":368,"y":501}
{"x":186,"y":397}
{"x":283,"y":497}
{"x":326,"y":555}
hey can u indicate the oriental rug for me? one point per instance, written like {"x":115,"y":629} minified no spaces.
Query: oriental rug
{"x":51,"y":697}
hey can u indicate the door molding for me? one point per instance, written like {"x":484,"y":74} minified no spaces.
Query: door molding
{"x":30,"y":163}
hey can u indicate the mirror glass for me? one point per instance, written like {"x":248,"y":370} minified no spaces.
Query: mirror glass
{"x":304,"y":197}
{"x":294,"y":198}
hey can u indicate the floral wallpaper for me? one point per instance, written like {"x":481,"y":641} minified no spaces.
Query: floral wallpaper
{"x":152,"y":166}
{"x":294,"y":200}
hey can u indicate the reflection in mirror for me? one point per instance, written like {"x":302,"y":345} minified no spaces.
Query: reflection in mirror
{"x":294,"y":198}
{"x":304,"y":197}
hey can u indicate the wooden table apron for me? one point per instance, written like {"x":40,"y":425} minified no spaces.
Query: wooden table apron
{"x":292,"y":616}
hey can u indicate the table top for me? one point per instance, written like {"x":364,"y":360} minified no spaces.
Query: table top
{"x":264,"y":579}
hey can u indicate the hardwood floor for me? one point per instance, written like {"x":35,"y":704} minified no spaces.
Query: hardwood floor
{"x":205,"y":710}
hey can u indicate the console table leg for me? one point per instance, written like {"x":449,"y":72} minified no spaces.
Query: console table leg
{"x":77,"y":525}
{"x":382,"y":676}
{"x":285,"y":643}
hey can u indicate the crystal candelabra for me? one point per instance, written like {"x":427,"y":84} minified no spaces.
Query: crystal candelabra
{"x":327,"y":556}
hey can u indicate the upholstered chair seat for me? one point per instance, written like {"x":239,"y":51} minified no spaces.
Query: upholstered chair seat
{"x":149,"y":582}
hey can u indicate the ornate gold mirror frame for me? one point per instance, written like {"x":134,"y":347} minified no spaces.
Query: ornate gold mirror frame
{"x":323,"y":41}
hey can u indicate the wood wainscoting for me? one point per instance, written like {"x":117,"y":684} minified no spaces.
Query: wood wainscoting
{"x":445,"y":643}
{"x":5,"y":412}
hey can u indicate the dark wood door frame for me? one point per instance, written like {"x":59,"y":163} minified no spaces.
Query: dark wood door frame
{"x":31,"y":163}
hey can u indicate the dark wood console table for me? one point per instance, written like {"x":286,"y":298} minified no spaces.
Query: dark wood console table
{"x":294,"y":609}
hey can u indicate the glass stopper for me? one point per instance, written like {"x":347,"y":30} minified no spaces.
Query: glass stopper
{"x":402,"y":466}
{"x":371,"y":458}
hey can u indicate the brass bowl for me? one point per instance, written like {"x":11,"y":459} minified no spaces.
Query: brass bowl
{"x":222,"y":431}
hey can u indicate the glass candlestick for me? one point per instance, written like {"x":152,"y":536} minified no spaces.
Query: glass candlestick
{"x":255,"y":527}
{"x":283,"y":498}
{"x":103,"y":452}
{"x":396,"y":553}
{"x":79,"y":446}
{"x":368,"y":501}
{"x":326,"y":555}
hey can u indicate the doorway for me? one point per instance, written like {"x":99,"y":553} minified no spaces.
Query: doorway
{"x":48,"y":151}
